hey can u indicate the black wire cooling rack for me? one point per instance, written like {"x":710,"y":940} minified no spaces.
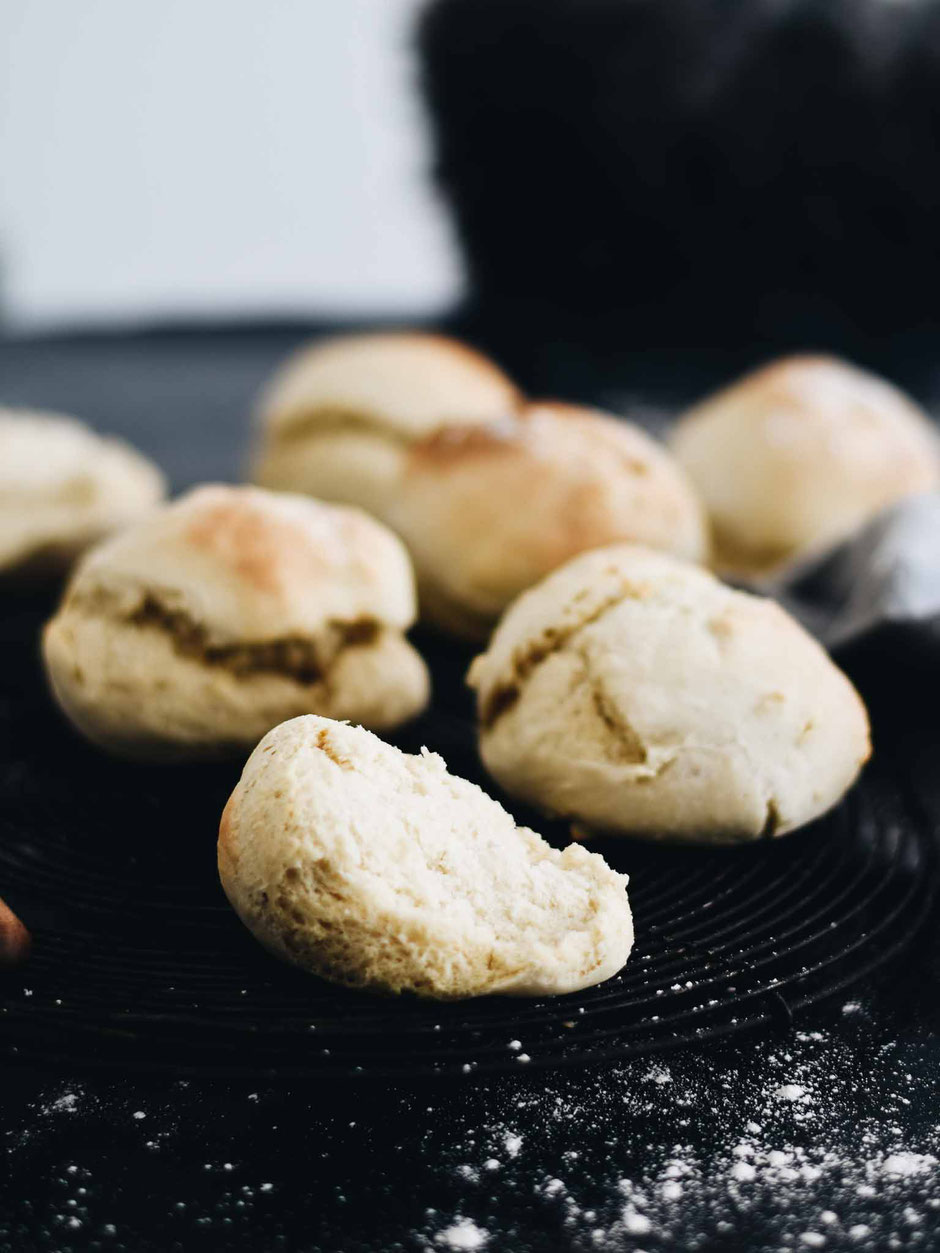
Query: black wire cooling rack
{"x":139,"y":963}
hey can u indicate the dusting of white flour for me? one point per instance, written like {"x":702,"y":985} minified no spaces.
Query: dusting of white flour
{"x":594,"y":1157}
{"x":463,"y":1234}
{"x":804,"y":1142}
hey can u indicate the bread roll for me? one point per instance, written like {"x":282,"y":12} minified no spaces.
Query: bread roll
{"x":798,"y":455}
{"x":383,"y":871}
{"x":225,"y":613}
{"x":636,"y":694}
{"x":486,"y":511}
{"x":338,"y":417}
{"x":15,"y":940}
{"x":62,"y":488}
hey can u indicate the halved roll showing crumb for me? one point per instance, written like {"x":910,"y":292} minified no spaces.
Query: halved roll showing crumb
{"x":225,"y":613}
{"x":381,"y":870}
{"x":636,"y":694}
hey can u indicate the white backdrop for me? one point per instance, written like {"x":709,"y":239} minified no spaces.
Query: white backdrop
{"x":213,"y":157}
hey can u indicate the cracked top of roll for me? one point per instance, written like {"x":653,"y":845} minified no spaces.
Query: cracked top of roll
{"x":635,"y":693}
{"x":404,"y":383}
{"x":244,"y":563}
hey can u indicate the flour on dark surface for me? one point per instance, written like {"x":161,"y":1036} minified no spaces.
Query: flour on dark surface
{"x":800,"y":1142}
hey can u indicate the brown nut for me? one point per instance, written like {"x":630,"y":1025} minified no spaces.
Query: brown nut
{"x":15,"y":940}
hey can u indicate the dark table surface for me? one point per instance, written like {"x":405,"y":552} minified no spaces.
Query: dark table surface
{"x":825,"y":1135}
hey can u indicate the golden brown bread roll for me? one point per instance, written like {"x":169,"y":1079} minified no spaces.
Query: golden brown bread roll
{"x":62,"y":488}
{"x":798,"y":455}
{"x":636,"y":694}
{"x":227,"y":611}
{"x":486,"y":511}
{"x":338,"y":417}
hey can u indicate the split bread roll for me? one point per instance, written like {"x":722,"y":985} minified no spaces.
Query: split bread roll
{"x":638,"y":695}
{"x":800,"y":454}
{"x":62,"y":488}
{"x":337,"y":419}
{"x":489,"y":510}
{"x":228,"y":611}
{"x":381,"y":870}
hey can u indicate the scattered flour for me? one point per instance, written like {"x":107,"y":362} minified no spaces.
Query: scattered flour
{"x":804,"y":1142}
{"x":790,"y":1092}
{"x":636,"y":1223}
{"x":799,"y":1165}
{"x":907,"y":1164}
{"x":463,"y":1234}
{"x":67,"y":1103}
{"x":743,"y":1172}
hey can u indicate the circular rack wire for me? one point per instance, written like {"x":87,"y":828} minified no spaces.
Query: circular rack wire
{"x":139,"y":963}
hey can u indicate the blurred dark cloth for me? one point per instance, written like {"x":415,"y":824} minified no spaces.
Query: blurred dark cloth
{"x":874,"y":601}
{"x":694,"y":171}
{"x":887,"y":575}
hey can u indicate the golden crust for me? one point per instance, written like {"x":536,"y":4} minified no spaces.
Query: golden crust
{"x":273,"y":552}
{"x":798,"y":455}
{"x":227,"y":846}
{"x":263,"y":551}
{"x":336,"y":419}
{"x":63,"y":487}
{"x":404,"y":382}
{"x":635,"y":694}
{"x":251,"y":565}
{"x":487,"y":511}
{"x":15,"y":940}
{"x":227,"y":612}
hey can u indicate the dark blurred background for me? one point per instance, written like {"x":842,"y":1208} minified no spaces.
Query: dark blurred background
{"x":728,"y":176}
{"x":694,"y":172}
